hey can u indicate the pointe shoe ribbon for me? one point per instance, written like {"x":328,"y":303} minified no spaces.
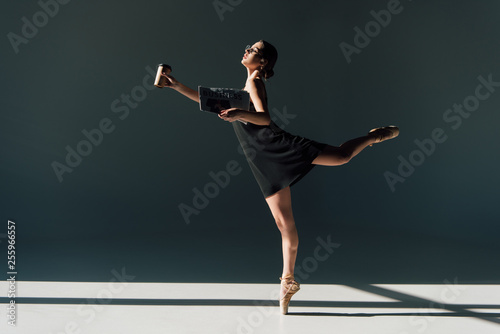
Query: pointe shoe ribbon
{"x":384,"y":133}
{"x":292,"y":287}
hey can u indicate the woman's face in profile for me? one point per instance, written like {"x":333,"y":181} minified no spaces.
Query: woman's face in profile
{"x":253,"y":56}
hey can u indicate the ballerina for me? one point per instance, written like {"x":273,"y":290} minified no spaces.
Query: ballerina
{"x":277,"y":158}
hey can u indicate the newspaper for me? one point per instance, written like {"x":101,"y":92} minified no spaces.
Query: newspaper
{"x":217,"y":99}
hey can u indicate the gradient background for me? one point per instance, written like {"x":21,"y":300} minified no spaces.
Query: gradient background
{"x":119,"y":207}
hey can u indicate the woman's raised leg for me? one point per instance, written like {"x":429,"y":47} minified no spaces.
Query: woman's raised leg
{"x":339,"y":155}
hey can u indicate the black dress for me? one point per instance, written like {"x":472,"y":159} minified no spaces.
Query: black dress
{"x":277,"y":158}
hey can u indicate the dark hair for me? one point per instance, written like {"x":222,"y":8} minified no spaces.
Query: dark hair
{"x":269,"y":53}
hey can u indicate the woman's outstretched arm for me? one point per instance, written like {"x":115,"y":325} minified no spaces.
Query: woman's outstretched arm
{"x":184,"y":90}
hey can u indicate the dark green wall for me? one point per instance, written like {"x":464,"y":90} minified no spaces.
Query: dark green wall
{"x":119,"y":207}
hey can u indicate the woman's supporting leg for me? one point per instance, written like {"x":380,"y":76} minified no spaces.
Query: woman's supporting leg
{"x":339,"y":155}
{"x":280,"y":204}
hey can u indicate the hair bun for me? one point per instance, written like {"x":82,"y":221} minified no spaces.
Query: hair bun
{"x":269,"y":73}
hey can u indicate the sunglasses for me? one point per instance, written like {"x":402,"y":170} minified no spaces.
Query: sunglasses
{"x":248,"y":49}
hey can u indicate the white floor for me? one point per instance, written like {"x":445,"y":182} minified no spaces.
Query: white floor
{"x":121,"y":307}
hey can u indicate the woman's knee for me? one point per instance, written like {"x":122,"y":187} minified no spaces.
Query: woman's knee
{"x":333,"y":156}
{"x":344,"y":156}
{"x":285,"y":224}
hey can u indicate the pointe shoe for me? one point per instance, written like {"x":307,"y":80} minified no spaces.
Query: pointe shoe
{"x":384,"y":133}
{"x":291,"y":286}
